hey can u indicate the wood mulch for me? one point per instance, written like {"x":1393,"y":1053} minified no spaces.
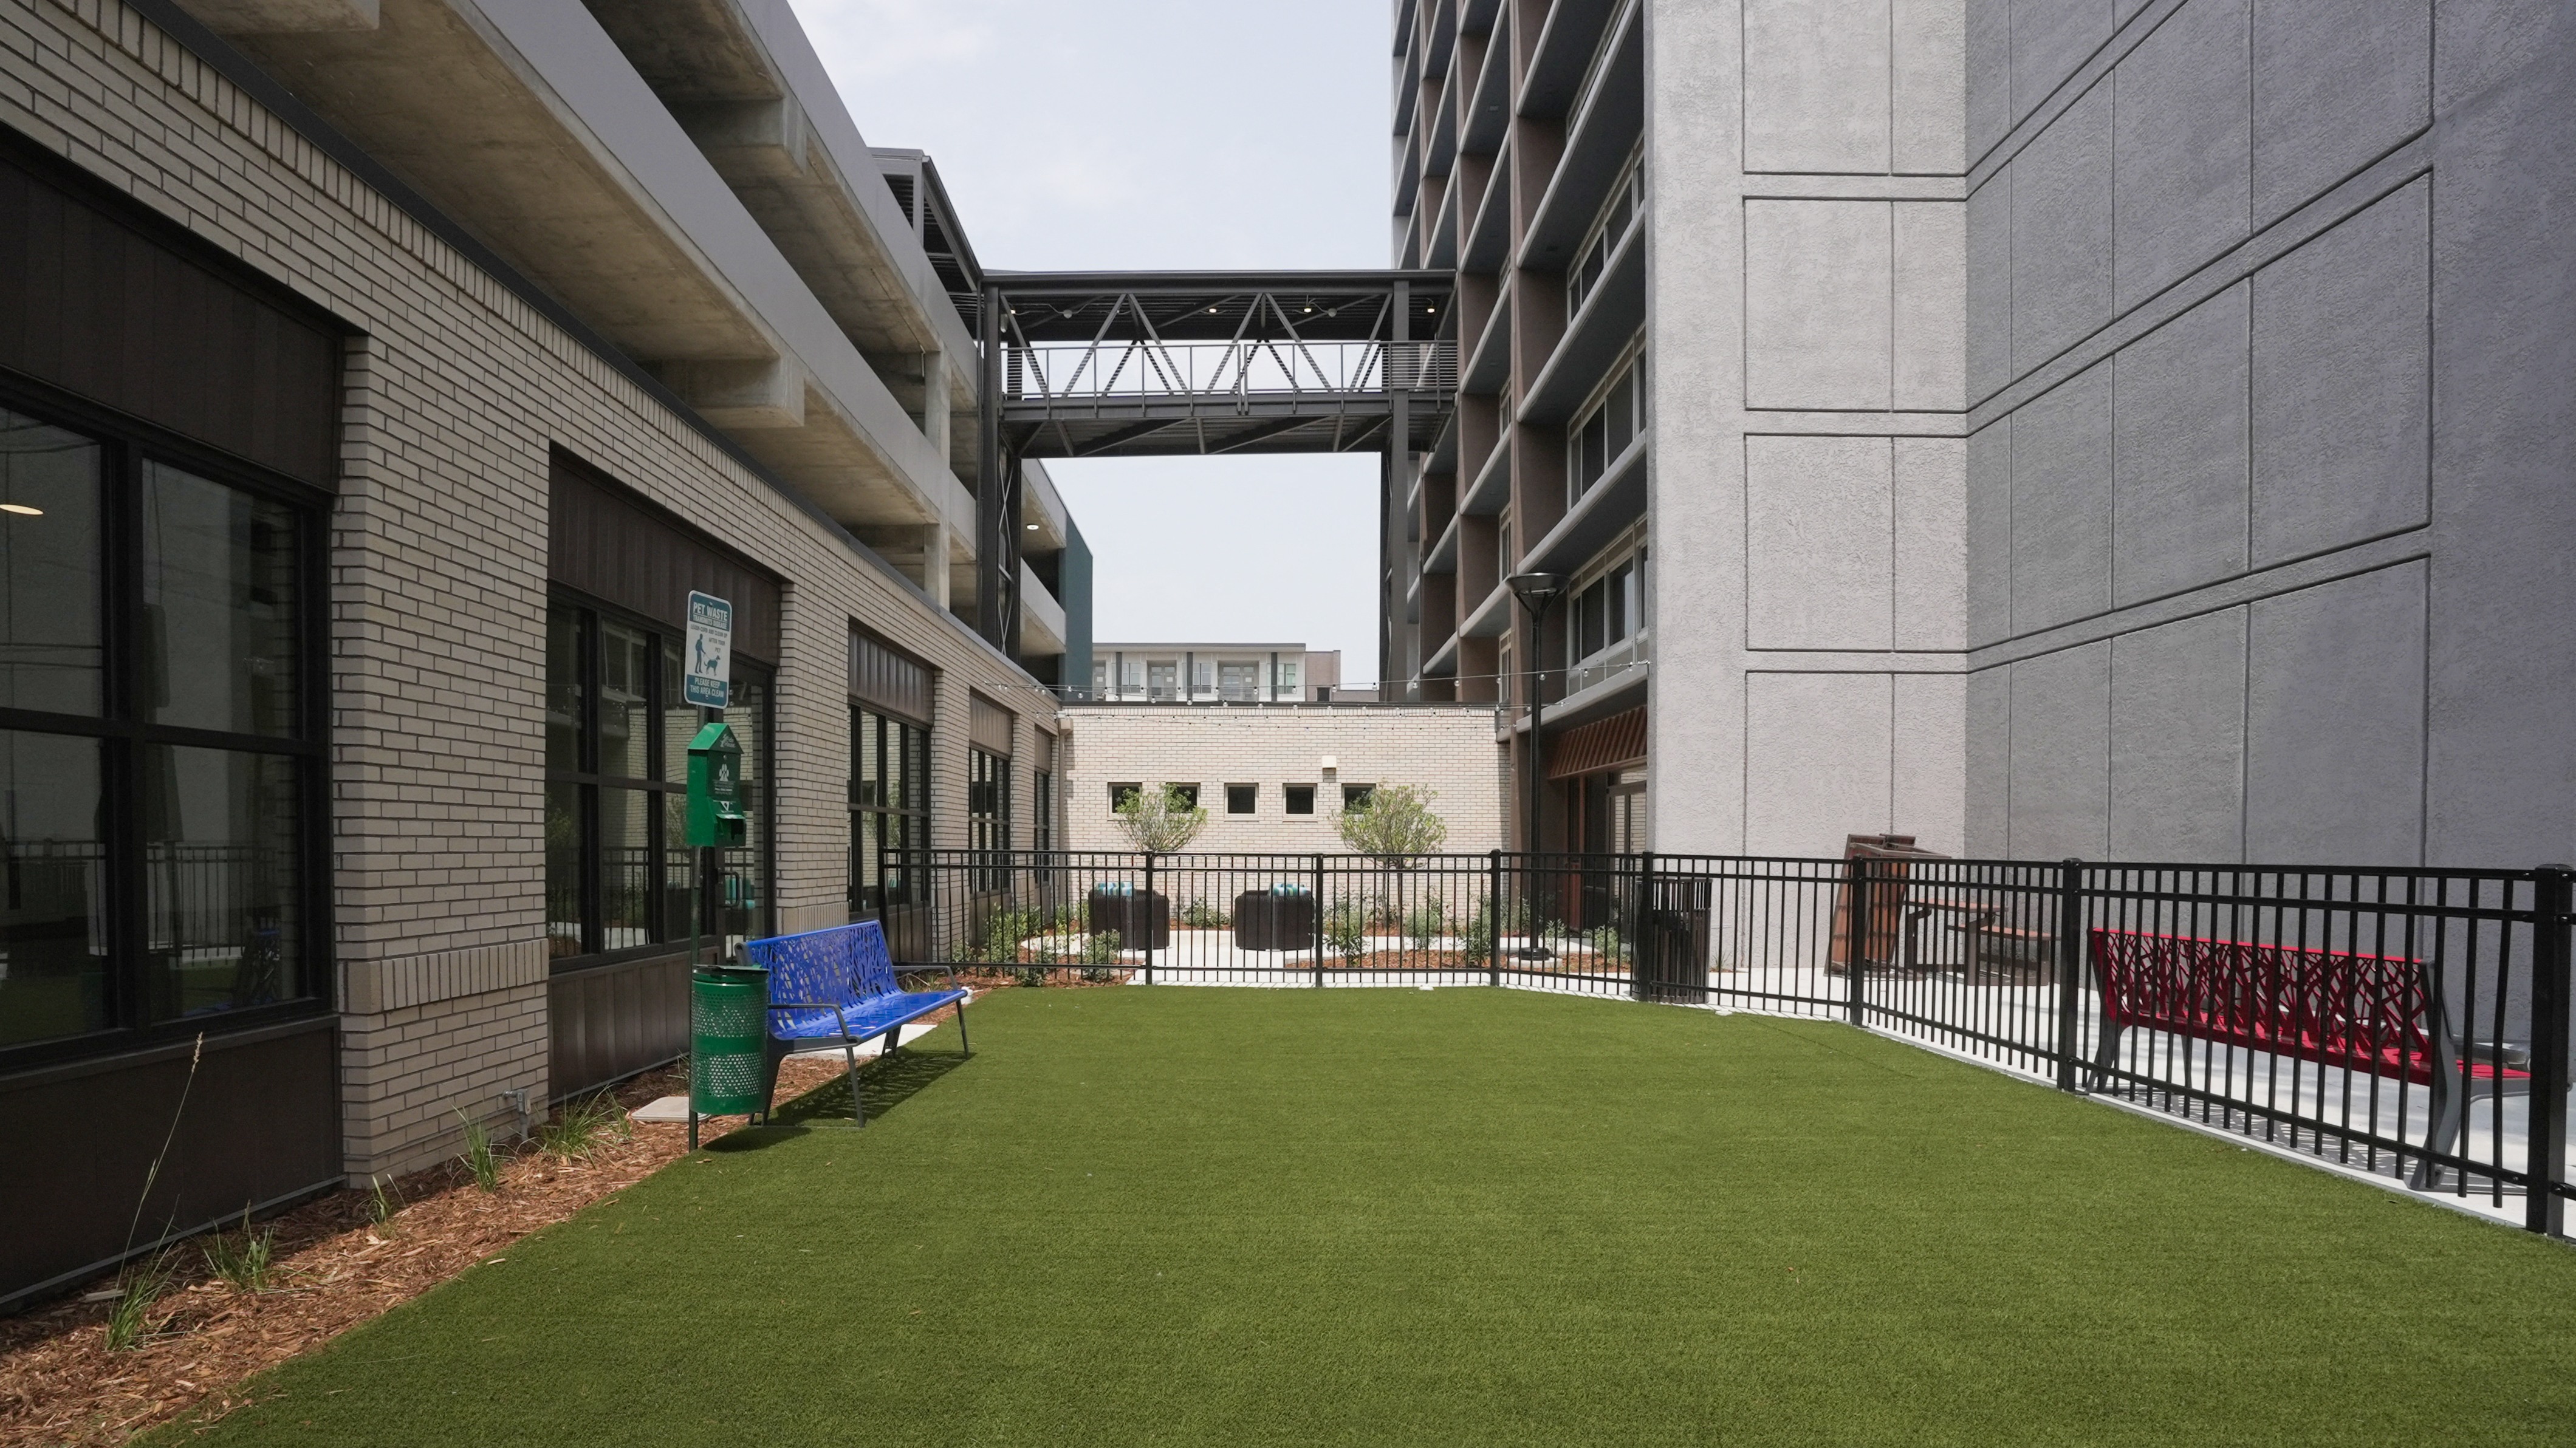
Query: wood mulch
{"x":334,"y":1267}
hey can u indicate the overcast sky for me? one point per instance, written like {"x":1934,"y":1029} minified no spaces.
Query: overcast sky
{"x":1182,"y":134}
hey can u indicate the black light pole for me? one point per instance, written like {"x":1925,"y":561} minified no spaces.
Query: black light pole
{"x":1536,"y":591}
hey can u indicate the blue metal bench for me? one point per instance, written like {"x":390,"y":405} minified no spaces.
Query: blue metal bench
{"x":837,"y":987}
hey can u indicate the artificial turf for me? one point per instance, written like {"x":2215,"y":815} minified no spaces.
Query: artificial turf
{"x":1192,"y":1216}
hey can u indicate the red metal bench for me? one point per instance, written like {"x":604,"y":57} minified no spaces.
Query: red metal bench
{"x":2374,"y":1014}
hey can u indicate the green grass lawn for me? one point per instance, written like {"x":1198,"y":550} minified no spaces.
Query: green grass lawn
{"x":1190,"y":1216}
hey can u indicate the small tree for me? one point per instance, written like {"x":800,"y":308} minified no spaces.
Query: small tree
{"x":1395,"y":824}
{"x":1161,"y":821}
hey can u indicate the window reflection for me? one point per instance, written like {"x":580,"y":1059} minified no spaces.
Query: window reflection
{"x":222,"y":929}
{"x":53,"y":954}
{"x":219,"y":595}
{"x":625,"y":663}
{"x":49,"y":561}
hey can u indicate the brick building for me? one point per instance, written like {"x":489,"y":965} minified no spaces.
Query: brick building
{"x":361,"y":442}
{"x":1272,"y":776}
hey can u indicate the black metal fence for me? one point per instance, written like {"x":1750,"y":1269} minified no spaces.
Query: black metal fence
{"x":2407,"y":1023}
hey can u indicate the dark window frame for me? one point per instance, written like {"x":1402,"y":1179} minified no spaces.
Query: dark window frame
{"x":1251,"y":797}
{"x":909,"y":813}
{"x":664,"y":780}
{"x":126,"y":445}
{"x":1290,"y":796}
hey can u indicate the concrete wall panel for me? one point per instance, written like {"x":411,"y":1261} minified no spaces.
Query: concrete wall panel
{"x":2341,"y":383}
{"x":1989,"y":68}
{"x":2179,"y":453}
{"x":2178,"y":740}
{"x":2050,"y":39}
{"x":2061,"y":755}
{"x":1989,"y":521}
{"x":1989,"y":321}
{"x":2061,"y":503}
{"x":1930,"y":325}
{"x":1816,"y":85}
{"x":2335,"y":86}
{"x":1816,"y":760}
{"x":1819,"y":542}
{"x":1931,"y":543}
{"x":2179,"y":147}
{"x":2334,"y":721}
{"x":1989,"y":753}
{"x":1817,"y":289}
{"x":1929,"y":101}
{"x":1928,"y":774}
{"x":2061,"y":232}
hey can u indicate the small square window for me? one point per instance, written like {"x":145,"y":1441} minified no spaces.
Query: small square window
{"x":1189,"y":794}
{"x":1119,"y":794}
{"x":1356,"y":796}
{"x":1299,"y":798}
{"x":1240,"y":798}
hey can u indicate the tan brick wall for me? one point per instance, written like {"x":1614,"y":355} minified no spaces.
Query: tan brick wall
{"x":1449,"y":749}
{"x":455,"y":391}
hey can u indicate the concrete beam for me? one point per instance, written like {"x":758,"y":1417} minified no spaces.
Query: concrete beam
{"x":286,"y":17}
{"x":739,"y":396}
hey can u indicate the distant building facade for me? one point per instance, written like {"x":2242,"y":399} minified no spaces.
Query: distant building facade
{"x":1185,"y":673}
{"x":1273,"y":776}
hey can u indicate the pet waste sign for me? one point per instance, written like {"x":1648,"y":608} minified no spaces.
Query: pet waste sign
{"x":710,"y":650}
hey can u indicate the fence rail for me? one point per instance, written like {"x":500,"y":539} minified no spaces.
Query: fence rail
{"x":2407,"y":1023}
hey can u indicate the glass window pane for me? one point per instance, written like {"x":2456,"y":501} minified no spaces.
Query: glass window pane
{"x":223,"y":925}
{"x":625,"y":868}
{"x":49,"y":561}
{"x":53,"y":956}
{"x":563,"y":871}
{"x":680,"y":718}
{"x":679,"y":863}
{"x":563,"y":687}
{"x":625,"y":666}
{"x":746,"y":869}
{"x":219,"y":596}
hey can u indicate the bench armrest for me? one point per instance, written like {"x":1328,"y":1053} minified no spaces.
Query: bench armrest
{"x":832,"y":1006}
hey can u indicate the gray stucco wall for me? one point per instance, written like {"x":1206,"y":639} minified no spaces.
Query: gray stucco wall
{"x":2269,"y":327}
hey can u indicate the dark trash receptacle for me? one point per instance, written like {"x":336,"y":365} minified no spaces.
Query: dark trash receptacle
{"x":1141,"y":919}
{"x":1279,"y":918}
{"x":1671,"y":959}
{"x":728,"y":1039}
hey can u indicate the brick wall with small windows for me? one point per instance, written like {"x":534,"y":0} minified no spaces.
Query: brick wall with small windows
{"x":1273,"y":778}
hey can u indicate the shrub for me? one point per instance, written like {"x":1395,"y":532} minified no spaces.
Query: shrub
{"x":1476,"y":934}
{"x":1199,"y":914}
{"x":1606,"y":943}
{"x":582,"y":1127}
{"x":1395,"y":824}
{"x":480,"y":1160}
{"x":129,"y":1317}
{"x":1425,"y":923}
{"x":1160,"y":821}
{"x":1346,"y":930}
{"x":244,"y":1266}
{"x":1101,"y":949}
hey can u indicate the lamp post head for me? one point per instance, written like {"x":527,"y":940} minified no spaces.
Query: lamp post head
{"x":1536,"y":590}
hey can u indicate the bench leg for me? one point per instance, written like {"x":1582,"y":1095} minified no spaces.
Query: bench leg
{"x":850,"y":1061}
{"x":2443,"y":1135}
{"x":963,"y":1048}
{"x":2106,"y":1059}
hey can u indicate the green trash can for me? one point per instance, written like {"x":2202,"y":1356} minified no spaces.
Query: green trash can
{"x":728,"y":1035}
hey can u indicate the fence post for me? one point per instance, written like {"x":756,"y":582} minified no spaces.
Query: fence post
{"x":1319,"y":922}
{"x":2070,"y":968}
{"x":1856,"y":938}
{"x":1147,"y":906}
{"x":1494,"y":918}
{"x":2544,"y":1213}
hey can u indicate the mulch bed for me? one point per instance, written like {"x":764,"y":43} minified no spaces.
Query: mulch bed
{"x":334,"y":1267}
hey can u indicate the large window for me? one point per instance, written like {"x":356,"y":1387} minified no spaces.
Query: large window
{"x":159,"y":746}
{"x":1610,"y":226}
{"x":889,"y":810}
{"x":1608,"y":610}
{"x":988,"y":800}
{"x":1602,"y":433}
{"x":1042,"y":823}
{"x":620,"y":877}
